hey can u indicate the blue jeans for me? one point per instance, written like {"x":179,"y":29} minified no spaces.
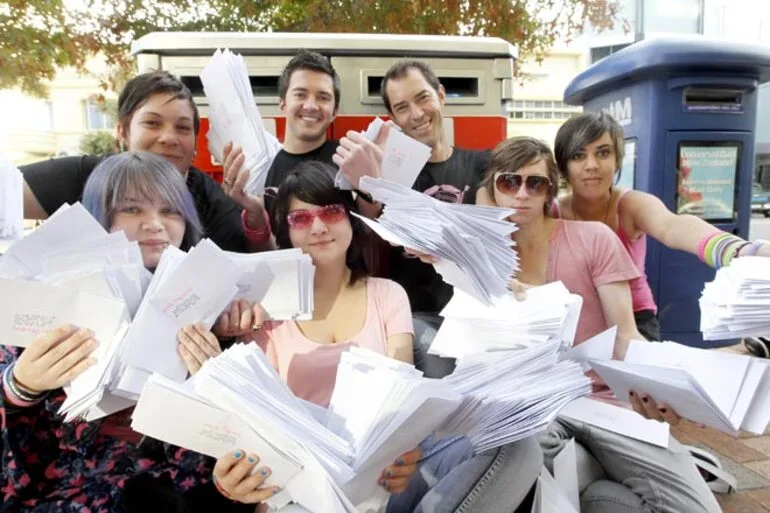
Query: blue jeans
{"x":623,"y":475}
{"x":452,"y":479}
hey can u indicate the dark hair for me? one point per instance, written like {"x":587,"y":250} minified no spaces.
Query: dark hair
{"x":312,"y":61}
{"x":581,"y":130}
{"x":313,"y":182}
{"x":517,"y":152}
{"x":147,"y":175}
{"x":139,"y":89}
{"x":400,"y":69}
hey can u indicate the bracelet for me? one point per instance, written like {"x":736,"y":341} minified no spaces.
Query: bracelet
{"x":752,"y":248}
{"x":719,"y":248}
{"x":257,"y":236}
{"x":16,"y":394}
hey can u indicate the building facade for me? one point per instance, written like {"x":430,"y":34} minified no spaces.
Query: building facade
{"x":33,"y":129}
{"x":537,"y":109}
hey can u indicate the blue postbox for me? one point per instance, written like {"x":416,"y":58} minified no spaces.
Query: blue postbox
{"x":688,"y":107}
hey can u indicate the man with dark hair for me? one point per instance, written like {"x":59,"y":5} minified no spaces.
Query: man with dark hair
{"x":309,"y":95}
{"x":415,"y":98}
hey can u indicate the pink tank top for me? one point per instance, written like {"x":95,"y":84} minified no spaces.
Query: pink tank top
{"x":641,"y":294}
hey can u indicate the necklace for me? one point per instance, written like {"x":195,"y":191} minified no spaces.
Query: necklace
{"x":574,"y":212}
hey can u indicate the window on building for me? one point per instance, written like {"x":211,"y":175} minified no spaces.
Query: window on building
{"x":97,"y":118}
{"x":541,"y":109}
{"x":601,"y":52}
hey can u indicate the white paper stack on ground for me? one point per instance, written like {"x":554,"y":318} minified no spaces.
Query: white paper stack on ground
{"x":281,"y":281}
{"x":737,"y":303}
{"x":340,"y":458}
{"x":549,"y":312}
{"x":234,"y":117}
{"x":723,"y":390}
{"x":510,"y":395}
{"x":11,"y":201}
{"x":402,"y":158}
{"x":473,"y":242}
{"x":172,"y":301}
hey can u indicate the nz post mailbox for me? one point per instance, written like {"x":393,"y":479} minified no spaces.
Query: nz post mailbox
{"x":688,"y":108}
{"x":477,"y":73}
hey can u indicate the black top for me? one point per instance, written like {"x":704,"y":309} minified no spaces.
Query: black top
{"x":284,"y":161}
{"x":62,"y":180}
{"x":455,"y":181}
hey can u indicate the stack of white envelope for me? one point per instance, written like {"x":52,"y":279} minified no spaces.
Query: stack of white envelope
{"x":549,"y":312}
{"x":70,"y":270}
{"x":324,"y":460}
{"x":510,"y":395}
{"x":11,"y":201}
{"x":472,"y":242}
{"x":280,"y":281}
{"x":234,"y":117}
{"x":174,"y":300}
{"x":186,"y":288}
{"x":402,"y":158}
{"x":737,"y":303}
{"x":327,"y":459}
{"x":726,"y":391}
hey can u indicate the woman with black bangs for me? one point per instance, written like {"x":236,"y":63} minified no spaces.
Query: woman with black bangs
{"x":157,"y":114}
{"x":353,"y":309}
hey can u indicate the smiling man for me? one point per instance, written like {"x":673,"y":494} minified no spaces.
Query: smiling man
{"x":309,"y":92}
{"x":309,"y":96}
{"x":415,"y":100}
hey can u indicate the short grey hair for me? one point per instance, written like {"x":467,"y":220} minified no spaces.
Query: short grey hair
{"x":147,"y":176}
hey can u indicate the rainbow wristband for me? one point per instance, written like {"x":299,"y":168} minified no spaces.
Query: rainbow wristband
{"x":719,"y":248}
{"x":710,"y":245}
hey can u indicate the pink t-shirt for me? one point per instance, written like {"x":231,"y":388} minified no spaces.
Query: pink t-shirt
{"x":310,"y":368}
{"x":585,"y":255}
{"x":641,"y":293}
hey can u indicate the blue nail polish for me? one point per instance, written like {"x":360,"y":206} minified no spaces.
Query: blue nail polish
{"x":252,"y":459}
{"x":238,"y":454}
{"x":264,"y":472}
{"x":388,"y":473}
{"x":400,"y":461}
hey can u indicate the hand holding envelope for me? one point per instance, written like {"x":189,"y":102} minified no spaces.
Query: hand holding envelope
{"x":237,"y":477}
{"x":234,"y":117}
{"x":381,"y":151}
{"x":54,"y":358}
